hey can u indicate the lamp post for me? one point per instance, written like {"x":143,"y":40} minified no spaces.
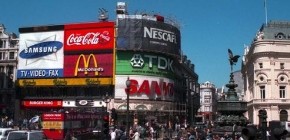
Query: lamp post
{"x":128,"y":84}
{"x":106,"y":99}
{"x":263,"y":129}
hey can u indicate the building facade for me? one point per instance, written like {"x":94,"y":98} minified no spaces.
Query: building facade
{"x":148,"y":52}
{"x":8,"y":65}
{"x":265,"y":69}
{"x":92,"y":61}
{"x":208,"y":102}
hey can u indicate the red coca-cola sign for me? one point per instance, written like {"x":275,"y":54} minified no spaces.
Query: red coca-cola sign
{"x":89,"y":36}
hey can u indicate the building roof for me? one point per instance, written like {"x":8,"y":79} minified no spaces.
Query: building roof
{"x":276,"y":30}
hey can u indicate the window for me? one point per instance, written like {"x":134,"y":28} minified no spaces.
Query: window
{"x":1,"y":69}
{"x":282,"y":91}
{"x":283,"y":115}
{"x":1,"y":44}
{"x":206,"y":101}
{"x":207,"y":108}
{"x":281,"y":65}
{"x":262,"y":92}
{"x":261,"y":65}
{"x":1,"y":56}
{"x":11,"y":55}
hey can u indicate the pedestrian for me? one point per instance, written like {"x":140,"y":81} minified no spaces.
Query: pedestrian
{"x":113,"y":134}
{"x":268,"y":133}
{"x":136,"y":135}
{"x":151,"y":133}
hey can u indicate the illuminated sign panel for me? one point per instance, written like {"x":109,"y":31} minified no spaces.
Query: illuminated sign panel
{"x":145,"y":87}
{"x":89,"y":65}
{"x":52,"y":125}
{"x":42,"y":103}
{"x":140,"y":63}
{"x":40,"y":55}
{"x":65,"y":82}
{"x":52,"y":117}
{"x":89,"y":36}
{"x":149,"y":35}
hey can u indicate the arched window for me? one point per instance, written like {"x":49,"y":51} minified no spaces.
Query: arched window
{"x":141,"y":107}
{"x":262,"y":112}
{"x":123,"y":107}
{"x":283,"y":115}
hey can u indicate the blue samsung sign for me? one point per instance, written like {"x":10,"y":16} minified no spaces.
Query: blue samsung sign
{"x":41,"y":49}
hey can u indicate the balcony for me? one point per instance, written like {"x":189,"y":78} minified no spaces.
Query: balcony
{"x":269,"y":101}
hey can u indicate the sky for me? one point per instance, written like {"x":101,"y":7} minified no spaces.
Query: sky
{"x":208,"y":27}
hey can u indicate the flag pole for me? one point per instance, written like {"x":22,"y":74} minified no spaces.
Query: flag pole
{"x":266,"y":15}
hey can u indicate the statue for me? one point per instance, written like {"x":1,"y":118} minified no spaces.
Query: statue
{"x":233,"y":59}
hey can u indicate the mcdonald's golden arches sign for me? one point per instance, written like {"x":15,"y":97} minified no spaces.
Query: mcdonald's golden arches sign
{"x":88,"y":65}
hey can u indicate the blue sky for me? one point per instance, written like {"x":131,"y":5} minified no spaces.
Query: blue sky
{"x":208,"y":27}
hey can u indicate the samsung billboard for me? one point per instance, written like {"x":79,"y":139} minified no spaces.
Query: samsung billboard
{"x":40,"y":55}
{"x":142,"y":34}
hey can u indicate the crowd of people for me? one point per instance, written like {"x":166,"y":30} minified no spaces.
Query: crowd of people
{"x":154,"y":131}
{"x":21,"y":124}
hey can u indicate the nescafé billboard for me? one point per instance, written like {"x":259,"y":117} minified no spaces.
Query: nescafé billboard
{"x":143,"y":34}
{"x":141,"y":63}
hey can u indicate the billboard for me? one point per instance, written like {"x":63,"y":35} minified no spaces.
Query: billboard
{"x":42,"y":103}
{"x":88,"y":65}
{"x":143,"y":34}
{"x":89,"y":36}
{"x":141,"y":63}
{"x":145,"y":87}
{"x":40,"y":55}
{"x":65,"y":82}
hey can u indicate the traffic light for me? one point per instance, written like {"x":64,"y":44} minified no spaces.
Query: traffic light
{"x":106,"y":125}
{"x":249,"y":133}
{"x":279,"y":133}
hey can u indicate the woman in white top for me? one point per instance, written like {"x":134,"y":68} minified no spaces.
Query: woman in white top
{"x":113,"y":135}
{"x":136,"y":136}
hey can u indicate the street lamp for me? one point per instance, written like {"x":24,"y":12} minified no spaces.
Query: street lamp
{"x":128,"y":84}
{"x":106,"y":99}
{"x":263,"y":118}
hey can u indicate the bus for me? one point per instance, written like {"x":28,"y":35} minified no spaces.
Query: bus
{"x":59,"y":126}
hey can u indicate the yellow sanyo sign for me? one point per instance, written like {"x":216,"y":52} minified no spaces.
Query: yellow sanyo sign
{"x":65,"y":82}
{"x":86,"y":67}
{"x":52,"y":125}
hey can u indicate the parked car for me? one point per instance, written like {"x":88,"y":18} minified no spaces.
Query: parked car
{"x":4,"y":132}
{"x":26,"y":135}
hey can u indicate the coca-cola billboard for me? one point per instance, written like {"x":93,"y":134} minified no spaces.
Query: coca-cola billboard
{"x":89,"y":36}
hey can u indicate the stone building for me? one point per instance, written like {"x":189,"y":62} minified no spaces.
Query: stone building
{"x":208,"y":102}
{"x":8,"y":65}
{"x":265,"y":69}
